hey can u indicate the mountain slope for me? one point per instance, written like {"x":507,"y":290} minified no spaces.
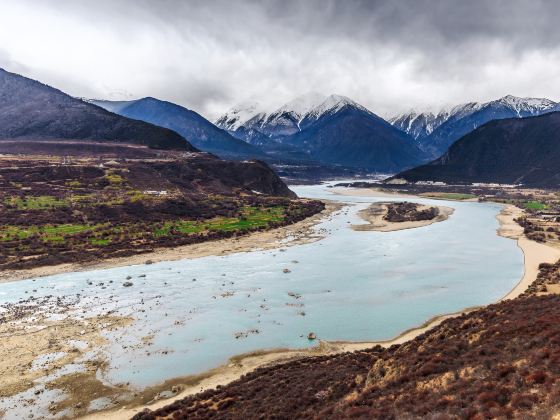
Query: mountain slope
{"x":513,"y":151}
{"x":32,"y":110}
{"x":435,"y":133}
{"x":199,"y":131}
{"x":238,"y":115}
{"x":418,"y":124}
{"x":349,"y":135}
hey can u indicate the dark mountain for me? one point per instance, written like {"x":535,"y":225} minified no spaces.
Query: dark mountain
{"x":512,"y":151}
{"x":349,"y":135}
{"x":250,"y":135}
{"x":450,"y":125}
{"x":199,"y":131}
{"x":34,"y":111}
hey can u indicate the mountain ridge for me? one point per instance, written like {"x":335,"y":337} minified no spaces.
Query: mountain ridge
{"x":30,"y":109}
{"x":507,"y":151}
{"x":331,"y":129}
{"x":191,"y":125}
{"x":435,"y":132}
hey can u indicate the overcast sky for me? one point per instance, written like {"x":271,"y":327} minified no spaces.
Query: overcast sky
{"x":209,"y":55}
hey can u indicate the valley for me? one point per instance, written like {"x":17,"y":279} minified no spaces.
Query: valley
{"x":279,"y":210}
{"x":255,"y":289}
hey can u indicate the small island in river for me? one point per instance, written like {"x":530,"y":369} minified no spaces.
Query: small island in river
{"x":391,"y":216}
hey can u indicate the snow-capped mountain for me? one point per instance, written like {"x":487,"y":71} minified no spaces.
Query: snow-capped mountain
{"x":239,"y":115}
{"x":417,"y":124}
{"x":286,"y":120}
{"x":344,"y":133}
{"x":508,"y":151}
{"x":330,"y":129}
{"x":436,"y":132}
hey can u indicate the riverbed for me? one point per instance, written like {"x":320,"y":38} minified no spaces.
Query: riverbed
{"x":192,"y":315}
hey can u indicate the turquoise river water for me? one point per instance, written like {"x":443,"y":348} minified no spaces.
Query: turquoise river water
{"x":348,"y":286}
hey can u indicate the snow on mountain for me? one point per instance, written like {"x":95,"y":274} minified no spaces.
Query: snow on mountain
{"x":331,"y":105}
{"x":421,"y":124}
{"x":302,"y":105}
{"x":238,"y":115}
{"x":531,"y":106}
{"x":287,"y":119}
{"x":417,"y":124}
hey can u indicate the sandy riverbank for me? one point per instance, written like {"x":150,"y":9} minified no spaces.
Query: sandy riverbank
{"x":295,"y":234}
{"x":534,"y":253}
{"x":49,"y":347}
{"x":375,"y":213}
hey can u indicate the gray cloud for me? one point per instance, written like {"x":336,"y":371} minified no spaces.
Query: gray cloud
{"x":209,"y":55}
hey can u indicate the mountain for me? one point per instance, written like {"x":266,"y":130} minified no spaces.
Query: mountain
{"x":333,"y":129}
{"x":239,"y":115}
{"x":510,"y":151}
{"x":191,"y":125}
{"x":340,"y":131}
{"x":435,"y":133}
{"x":418,"y":124}
{"x":252,"y":118}
{"x":34,"y":111}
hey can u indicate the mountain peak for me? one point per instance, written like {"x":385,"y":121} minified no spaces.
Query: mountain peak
{"x":334,"y":103}
{"x":303,"y":104}
{"x":238,"y":115}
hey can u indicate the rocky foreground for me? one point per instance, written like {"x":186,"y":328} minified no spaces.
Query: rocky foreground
{"x":502,"y":361}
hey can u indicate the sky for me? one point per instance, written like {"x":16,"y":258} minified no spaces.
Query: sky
{"x":210,"y":55}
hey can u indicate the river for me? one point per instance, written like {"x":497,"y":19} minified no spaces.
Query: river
{"x":351,"y":285}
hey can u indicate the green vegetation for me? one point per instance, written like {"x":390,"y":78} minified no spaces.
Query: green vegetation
{"x":100,"y":241}
{"x":36,"y":203}
{"x":451,"y":196}
{"x":83,"y":212}
{"x":74,"y":184}
{"x":251,"y":218}
{"x":47,"y":233}
{"x":114,"y":178}
{"x":535,"y":205}
{"x":103,"y":234}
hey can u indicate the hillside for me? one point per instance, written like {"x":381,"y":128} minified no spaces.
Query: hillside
{"x":513,"y":151}
{"x":86,"y":209}
{"x":192,"y":126}
{"x":34,"y":111}
{"x":497,"y":362}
